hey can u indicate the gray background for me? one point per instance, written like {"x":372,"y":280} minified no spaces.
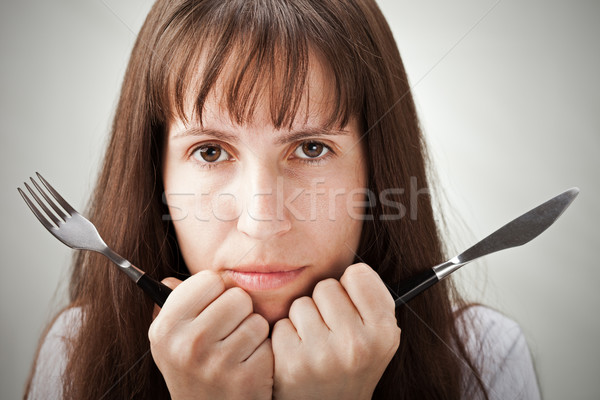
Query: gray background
{"x":509,"y":98}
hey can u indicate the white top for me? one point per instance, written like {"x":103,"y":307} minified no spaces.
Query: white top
{"x":502,"y":355}
{"x":52,"y":358}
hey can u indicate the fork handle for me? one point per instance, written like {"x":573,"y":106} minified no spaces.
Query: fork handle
{"x":156,"y":290}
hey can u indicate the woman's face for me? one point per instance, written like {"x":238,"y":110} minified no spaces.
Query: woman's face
{"x":272,"y":211}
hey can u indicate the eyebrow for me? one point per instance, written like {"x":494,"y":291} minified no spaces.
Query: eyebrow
{"x":284,"y":139}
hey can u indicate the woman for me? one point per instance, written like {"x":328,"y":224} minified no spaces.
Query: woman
{"x":266,"y":148}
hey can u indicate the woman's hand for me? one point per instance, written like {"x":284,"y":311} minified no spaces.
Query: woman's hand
{"x":208,"y":343}
{"x":337,"y":344}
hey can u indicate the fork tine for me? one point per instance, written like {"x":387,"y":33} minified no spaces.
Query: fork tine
{"x":57,"y":196}
{"x":51,"y":202}
{"x":43,"y":206}
{"x":36,"y":212}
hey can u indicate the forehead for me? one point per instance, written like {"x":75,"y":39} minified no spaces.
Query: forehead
{"x":285,"y":91}
{"x":259,"y":106}
{"x":258,"y":55}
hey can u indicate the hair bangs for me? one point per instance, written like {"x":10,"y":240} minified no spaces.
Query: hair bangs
{"x":258,"y":52}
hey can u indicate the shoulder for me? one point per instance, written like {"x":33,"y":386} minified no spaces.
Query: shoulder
{"x":66,"y":323}
{"x":500,"y":352}
{"x":483,"y":326}
{"x":52,"y":357}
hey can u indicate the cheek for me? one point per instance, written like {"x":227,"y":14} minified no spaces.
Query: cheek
{"x":335,"y":225}
{"x":336,"y":194}
{"x":201,"y":200}
{"x":196,"y":239}
{"x":341,"y":202}
{"x":346,"y":212}
{"x":223,"y":207}
{"x":200,"y":228}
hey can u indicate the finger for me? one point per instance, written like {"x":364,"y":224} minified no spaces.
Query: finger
{"x":192,"y":296}
{"x":306,"y":319}
{"x":247,"y":337}
{"x":368,"y":294}
{"x":262,"y":357}
{"x":335,"y":305}
{"x":224,"y":314}
{"x":171,"y":283}
{"x":284,"y":337}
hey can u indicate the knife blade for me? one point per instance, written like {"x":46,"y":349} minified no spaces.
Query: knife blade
{"x":516,"y":233}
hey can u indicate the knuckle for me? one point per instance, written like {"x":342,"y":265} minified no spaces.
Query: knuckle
{"x":264,"y":356}
{"x":325,"y":285}
{"x":157,"y":331}
{"x":390,"y":304}
{"x":358,"y":271}
{"x":206,"y":274}
{"x":219,"y":361}
{"x":180,"y":352}
{"x":240,"y":298}
{"x":304,"y":301}
{"x":211,"y":278}
{"x":357,"y":274}
{"x":383,"y":318}
{"x":397,"y":334}
{"x":359,"y":350}
{"x":279,"y":324}
{"x":300,"y":304}
{"x":153,"y":330}
{"x":238,"y":294}
{"x":279,"y":330}
{"x":323,"y":360}
{"x":389,"y":341}
{"x":255,"y":326}
{"x":259,"y":325}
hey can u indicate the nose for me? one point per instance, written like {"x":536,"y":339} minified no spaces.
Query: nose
{"x":263,"y":216}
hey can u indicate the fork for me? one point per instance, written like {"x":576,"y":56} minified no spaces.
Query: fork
{"x":77,"y":232}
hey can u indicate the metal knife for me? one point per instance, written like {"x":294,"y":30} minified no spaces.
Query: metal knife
{"x":516,"y":233}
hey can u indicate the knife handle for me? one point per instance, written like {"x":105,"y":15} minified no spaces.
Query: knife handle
{"x":408,"y":289}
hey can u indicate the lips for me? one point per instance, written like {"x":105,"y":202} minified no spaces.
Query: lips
{"x":264,"y":277}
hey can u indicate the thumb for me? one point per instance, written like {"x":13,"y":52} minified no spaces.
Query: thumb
{"x":170,"y":282}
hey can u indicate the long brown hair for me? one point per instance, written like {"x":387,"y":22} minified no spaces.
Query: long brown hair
{"x":256,"y":47}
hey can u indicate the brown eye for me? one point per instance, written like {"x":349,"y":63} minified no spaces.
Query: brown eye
{"x":311,"y":150}
{"x":210,"y":153}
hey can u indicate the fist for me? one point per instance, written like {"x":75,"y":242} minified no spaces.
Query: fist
{"x":337,"y":343}
{"x":208,"y":344}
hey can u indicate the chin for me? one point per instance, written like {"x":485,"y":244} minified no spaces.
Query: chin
{"x":272,"y":311}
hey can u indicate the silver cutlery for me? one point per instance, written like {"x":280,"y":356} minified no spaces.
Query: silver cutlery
{"x":74,"y":230}
{"x":516,"y":233}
